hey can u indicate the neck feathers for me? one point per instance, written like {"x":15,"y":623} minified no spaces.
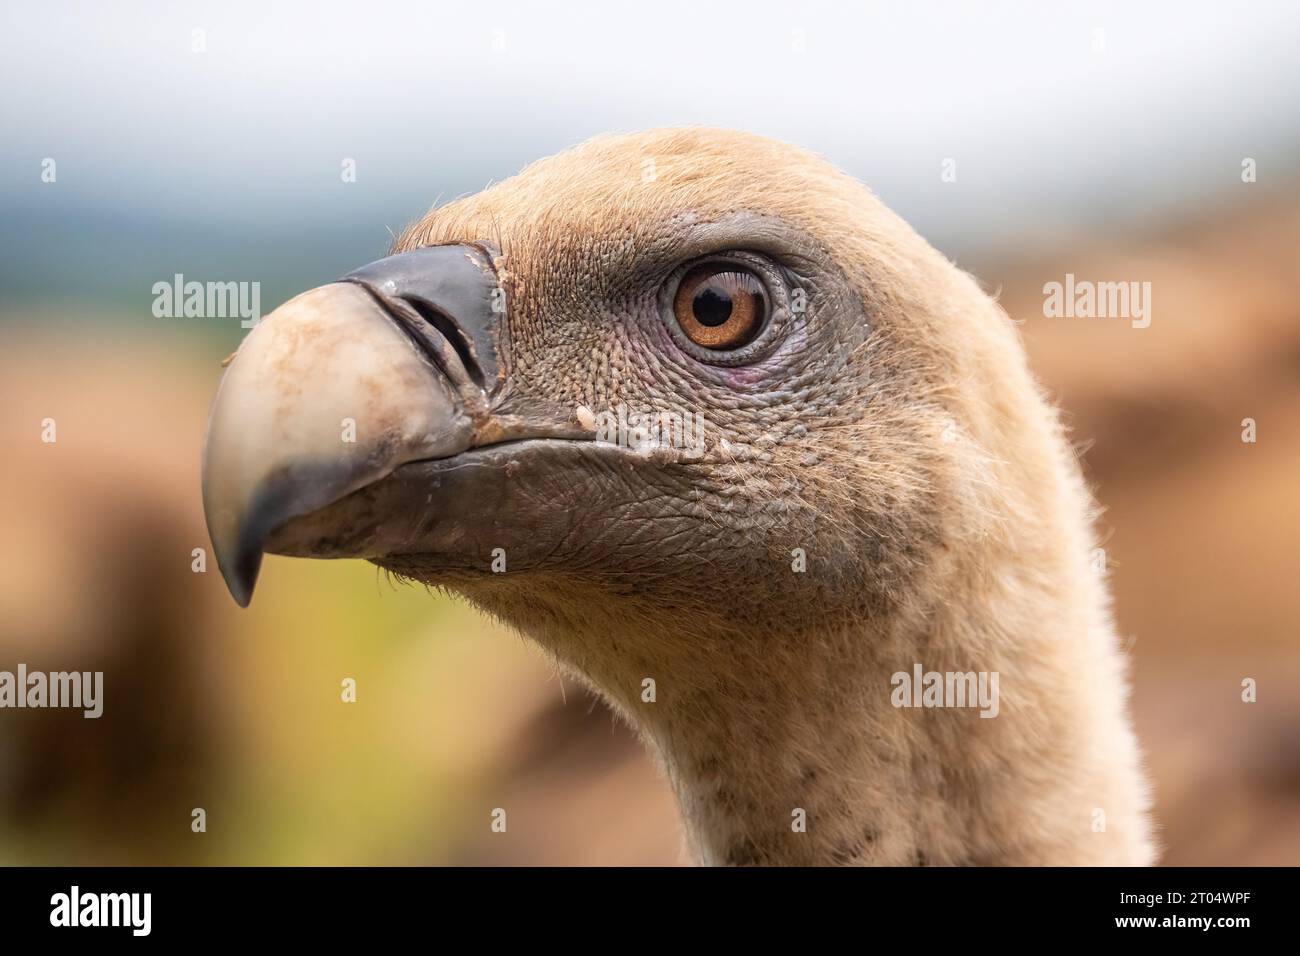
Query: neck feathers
{"x":800,"y":747}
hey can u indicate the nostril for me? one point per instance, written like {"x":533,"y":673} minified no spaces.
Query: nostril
{"x":452,"y":332}
{"x":446,"y":298}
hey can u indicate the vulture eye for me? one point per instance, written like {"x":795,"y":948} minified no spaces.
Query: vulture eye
{"x":720,"y":306}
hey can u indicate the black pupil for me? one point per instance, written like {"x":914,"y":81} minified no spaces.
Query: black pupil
{"x":712,"y":307}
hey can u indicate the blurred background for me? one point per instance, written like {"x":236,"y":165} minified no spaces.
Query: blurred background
{"x":1107,"y":140}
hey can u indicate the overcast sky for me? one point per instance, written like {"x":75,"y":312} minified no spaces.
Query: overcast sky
{"x":1053,"y":125}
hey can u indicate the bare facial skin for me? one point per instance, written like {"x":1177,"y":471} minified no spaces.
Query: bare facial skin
{"x":878,"y":426}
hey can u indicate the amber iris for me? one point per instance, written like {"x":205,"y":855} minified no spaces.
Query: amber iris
{"x":720,"y":306}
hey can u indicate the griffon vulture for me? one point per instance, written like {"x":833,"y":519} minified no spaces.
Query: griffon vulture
{"x":880,"y":494}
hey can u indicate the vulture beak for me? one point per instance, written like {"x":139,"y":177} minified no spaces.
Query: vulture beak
{"x":395,"y":363}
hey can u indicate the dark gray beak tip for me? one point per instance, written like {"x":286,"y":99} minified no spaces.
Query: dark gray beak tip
{"x":239,"y":566}
{"x":242,"y":576}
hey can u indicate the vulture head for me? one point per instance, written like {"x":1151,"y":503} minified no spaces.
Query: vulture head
{"x":693,"y":410}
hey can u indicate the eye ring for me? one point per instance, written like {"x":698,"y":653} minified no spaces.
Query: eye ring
{"x":721,"y":306}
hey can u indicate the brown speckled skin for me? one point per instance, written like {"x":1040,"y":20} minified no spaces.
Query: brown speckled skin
{"x":894,"y":433}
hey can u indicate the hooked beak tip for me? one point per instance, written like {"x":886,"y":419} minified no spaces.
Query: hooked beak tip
{"x":239,"y":556}
{"x":242,"y":577}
